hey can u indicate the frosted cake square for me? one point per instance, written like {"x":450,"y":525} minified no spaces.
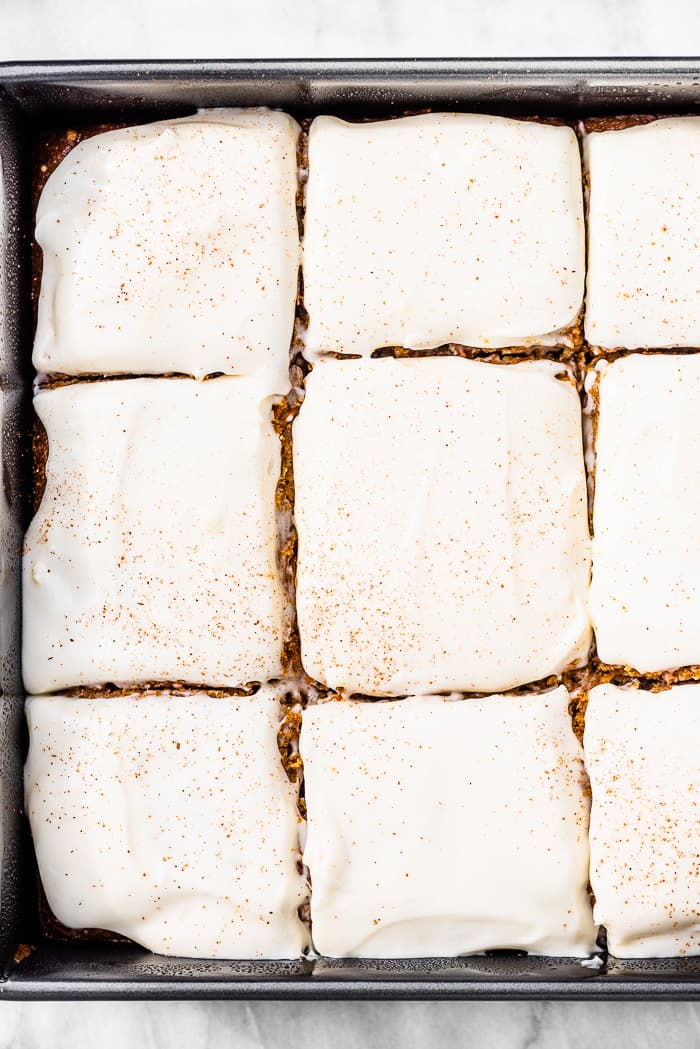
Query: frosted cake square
{"x":643,"y":285}
{"x":642,"y":758}
{"x":173,"y":247}
{"x":645,"y":589}
{"x":152,"y":556}
{"x":442,"y":228}
{"x":168,"y":819}
{"x":442,"y":522}
{"x":443,"y":827}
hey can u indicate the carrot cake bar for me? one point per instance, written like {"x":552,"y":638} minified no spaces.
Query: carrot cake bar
{"x":644,"y":235}
{"x":645,"y":591}
{"x":442,"y":228}
{"x":642,"y":758}
{"x":442,"y":522}
{"x":152,"y":556}
{"x":168,"y":819}
{"x":172,"y":247}
{"x":443,"y":827}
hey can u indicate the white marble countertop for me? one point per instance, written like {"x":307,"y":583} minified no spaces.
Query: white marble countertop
{"x":345,"y":28}
{"x":348,"y":1025}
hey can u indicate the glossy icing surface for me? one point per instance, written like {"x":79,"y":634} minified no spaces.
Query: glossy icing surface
{"x":173,"y":247}
{"x":641,"y":755}
{"x":443,"y":537}
{"x":644,"y":235}
{"x":446,"y":827}
{"x":439,"y":228}
{"x":168,"y":819}
{"x":152,"y":556}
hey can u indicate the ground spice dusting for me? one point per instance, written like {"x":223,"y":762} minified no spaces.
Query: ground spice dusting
{"x":52,"y":146}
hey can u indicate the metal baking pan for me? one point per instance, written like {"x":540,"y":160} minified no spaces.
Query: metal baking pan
{"x":36,"y":96}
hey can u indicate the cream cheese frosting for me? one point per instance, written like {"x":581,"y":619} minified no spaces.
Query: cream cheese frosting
{"x":173,"y":247}
{"x":168,"y":819}
{"x":643,"y":285}
{"x":443,"y":827}
{"x":442,"y":522}
{"x":645,"y":589}
{"x":152,"y":554}
{"x":439,"y":228}
{"x":642,"y":758}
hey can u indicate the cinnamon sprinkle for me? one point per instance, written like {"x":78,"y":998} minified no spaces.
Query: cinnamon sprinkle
{"x":54,"y":146}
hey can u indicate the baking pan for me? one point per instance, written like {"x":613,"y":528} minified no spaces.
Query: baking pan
{"x":36,"y":96}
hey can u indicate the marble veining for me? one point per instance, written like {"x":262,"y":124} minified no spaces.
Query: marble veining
{"x":348,"y":1025}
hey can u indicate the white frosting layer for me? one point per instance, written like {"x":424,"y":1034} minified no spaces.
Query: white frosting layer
{"x":642,"y":758}
{"x":645,"y":592}
{"x":173,"y":247}
{"x":152,"y":555}
{"x":644,"y":235}
{"x":168,"y":819}
{"x":441,"y":512}
{"x":446,"y":227}
{"x":442,"y":827}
